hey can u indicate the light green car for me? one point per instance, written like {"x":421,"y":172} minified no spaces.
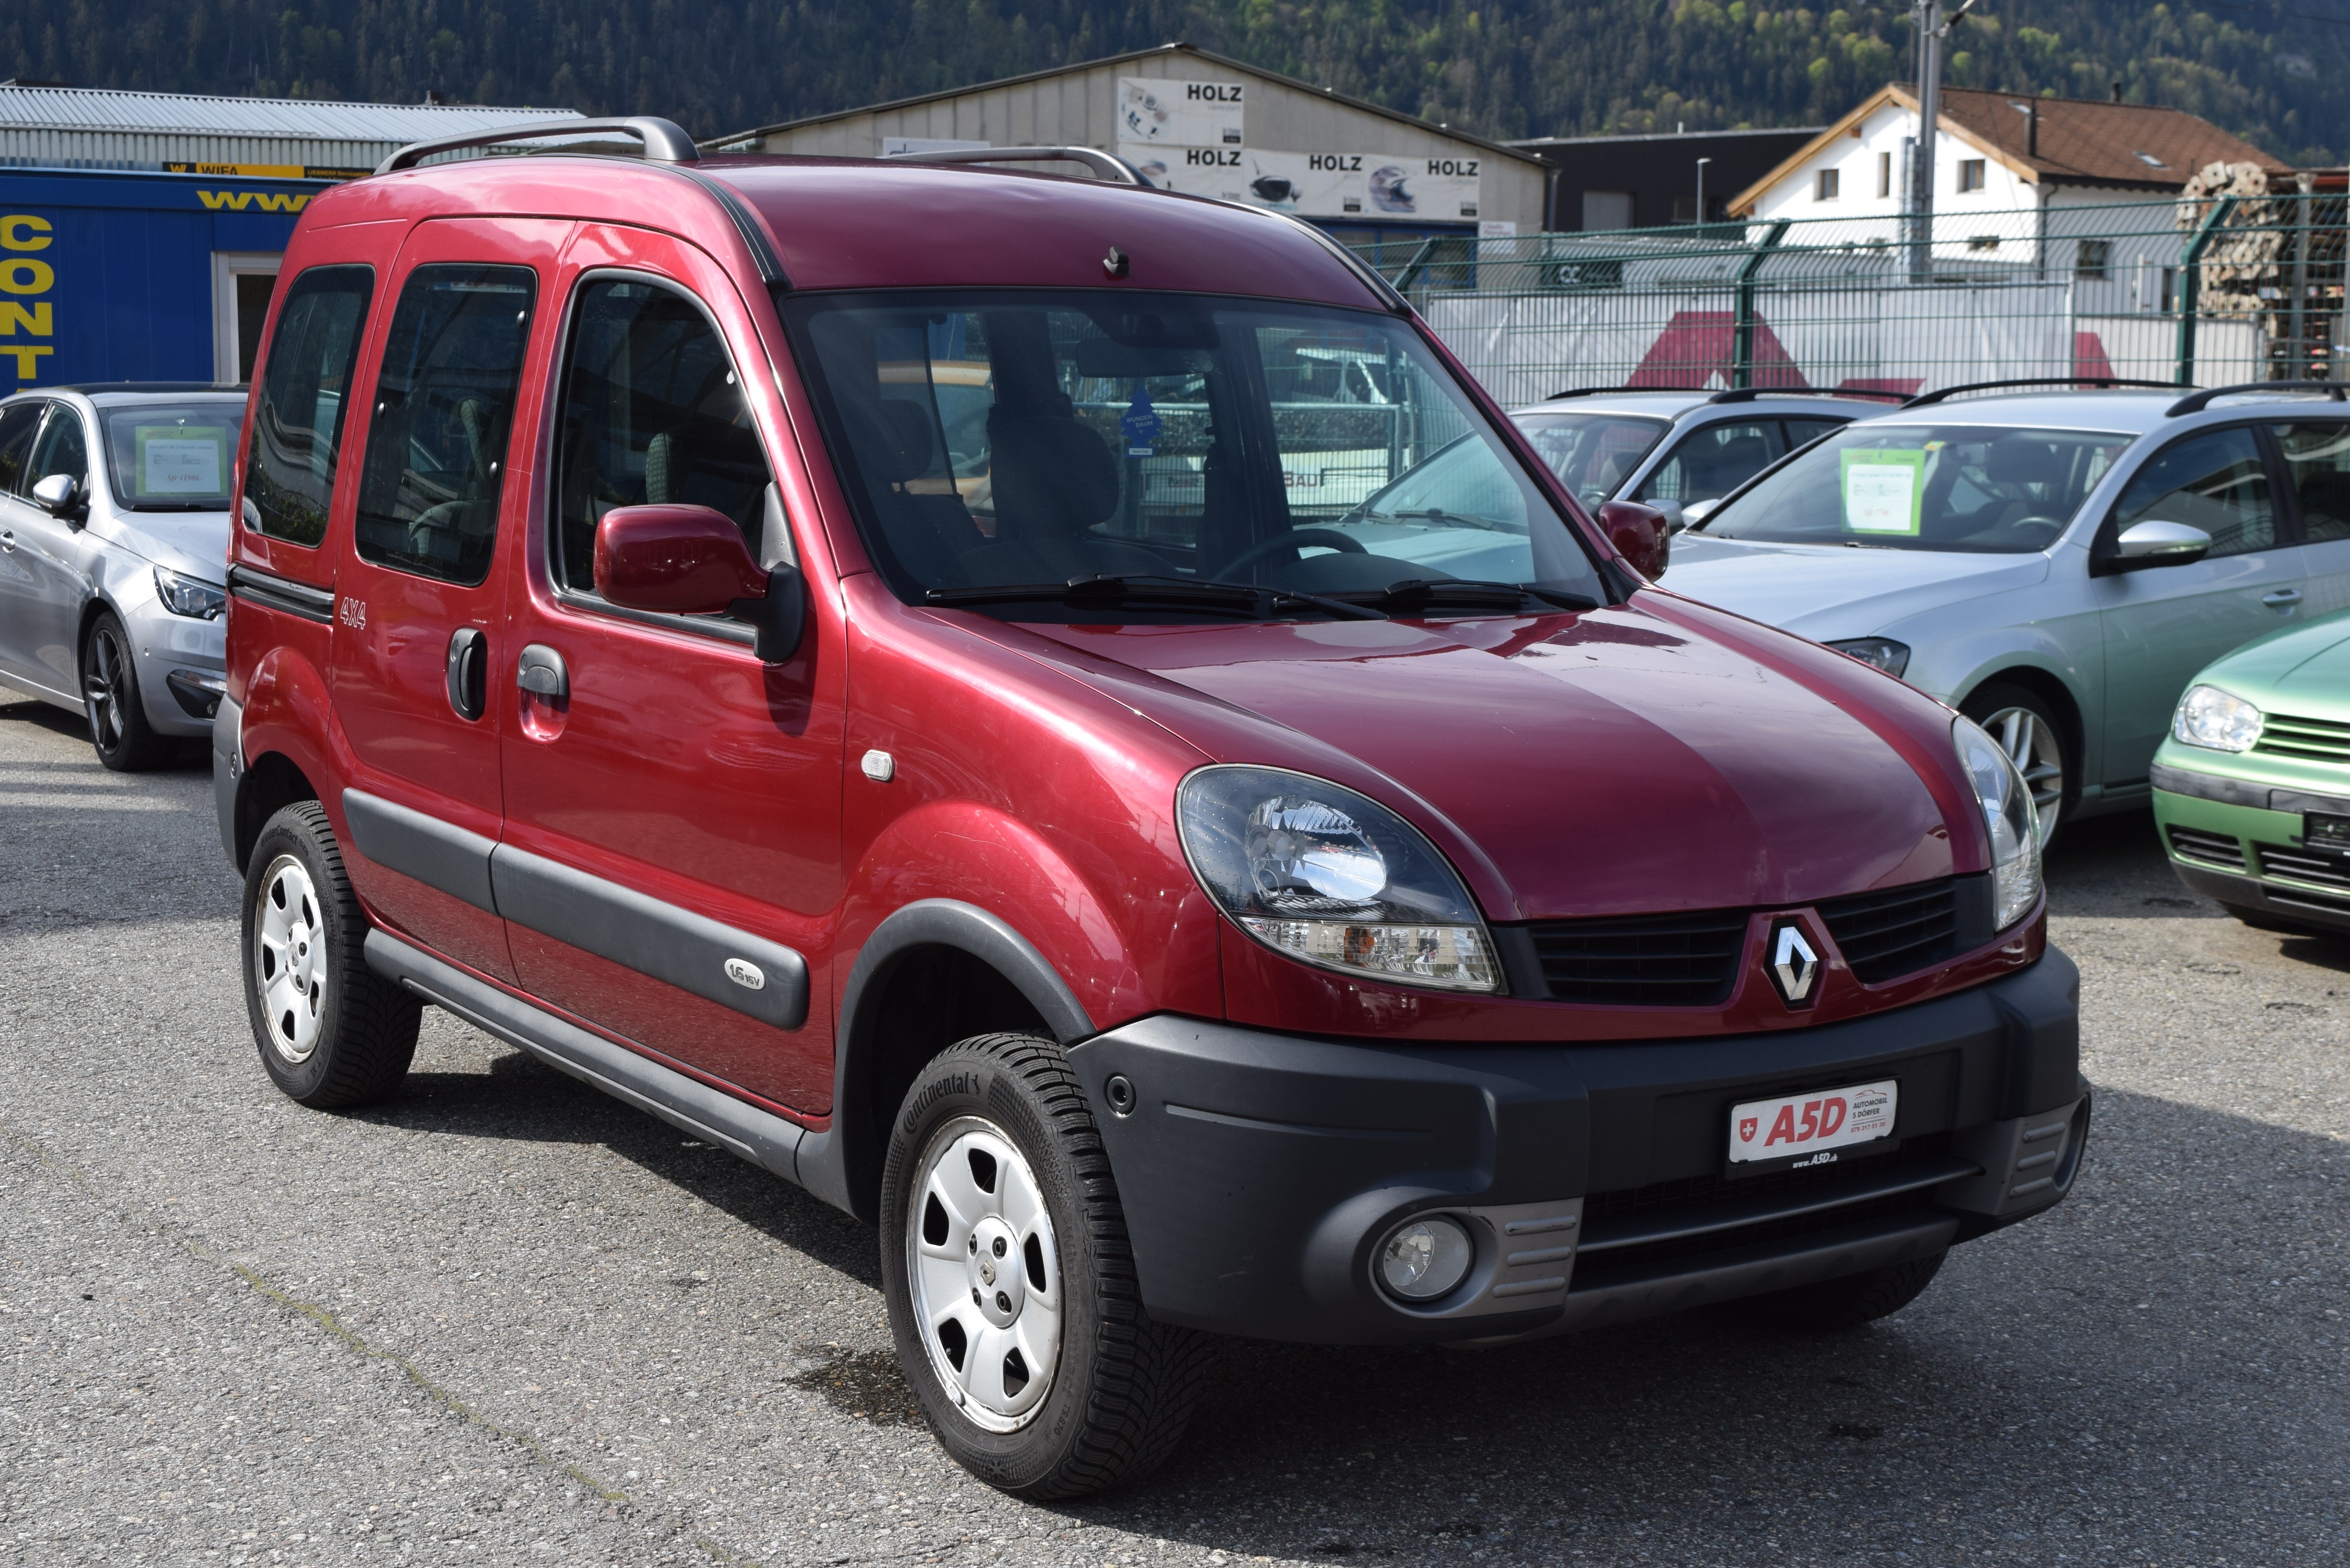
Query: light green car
{"x":2252,"y":789}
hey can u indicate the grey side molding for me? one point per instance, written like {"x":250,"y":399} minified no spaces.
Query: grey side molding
{"x":414,"y":845}
{"x":762,"y":980}
{"x":688,"y":1104}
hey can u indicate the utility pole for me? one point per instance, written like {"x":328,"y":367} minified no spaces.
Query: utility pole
{"x":1701,"y":191}
{"x":1932,"y":28}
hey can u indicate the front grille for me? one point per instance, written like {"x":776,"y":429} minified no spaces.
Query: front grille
{"x":2212,"y":848}
{"x":2318,"y":740}
{"x":1899,"y":932}
{"x":2326,"y":870}
{"x":1651,"y":960}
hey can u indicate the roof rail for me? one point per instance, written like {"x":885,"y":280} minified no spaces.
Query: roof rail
{"x":1105,"y":166}
{"x":665,"y":140}
{"x":1748,"y":394}
{"x":1598,"y":391}
{"x":1940,"y":393}
{"x":2196,"y":402}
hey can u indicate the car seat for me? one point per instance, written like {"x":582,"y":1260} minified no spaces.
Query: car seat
{"x":927,"y":532}
{"x":1055,"y":479}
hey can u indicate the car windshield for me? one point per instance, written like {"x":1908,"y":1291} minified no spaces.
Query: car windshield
{"x":1976,"y":489}
{"x":1159,"y":449}
{"x":1593,"y":452}
{"x":172,"y":457}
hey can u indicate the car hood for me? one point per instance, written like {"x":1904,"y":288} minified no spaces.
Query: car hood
{"x":1610,"y":763}
{"x":192,"y":542}
{"x":1830,"y":591}
{"x":2303,"y":670}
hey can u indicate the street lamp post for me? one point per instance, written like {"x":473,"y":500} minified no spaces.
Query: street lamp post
{"x":1701,"y":191}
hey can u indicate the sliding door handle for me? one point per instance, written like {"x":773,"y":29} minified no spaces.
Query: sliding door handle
{"x":541,"y":671}
{"x":468,"y":671}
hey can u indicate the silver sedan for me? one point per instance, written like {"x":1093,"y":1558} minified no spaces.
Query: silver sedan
{"x":113,"y":544}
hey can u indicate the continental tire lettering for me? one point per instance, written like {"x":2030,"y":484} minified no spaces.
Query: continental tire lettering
{"x":936,"y":1089}
{"x":24,"y":275}
{"x":39,"y":321}
{"x":18,"y":231}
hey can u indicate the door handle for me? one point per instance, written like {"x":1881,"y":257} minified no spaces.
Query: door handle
{"x":8,"y":540}
{"x":468,"y":671}
{"x":2282,"y":597}
{"x":541,"y":670}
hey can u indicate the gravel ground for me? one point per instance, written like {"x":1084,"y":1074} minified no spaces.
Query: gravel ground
{"x":502,"y":1319}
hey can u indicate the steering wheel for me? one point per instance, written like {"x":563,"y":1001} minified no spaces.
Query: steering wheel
{"x":1295,"y":540}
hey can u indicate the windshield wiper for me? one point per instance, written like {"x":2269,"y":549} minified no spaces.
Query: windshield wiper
{"x":1416,"y":593}
{"x":1143,"y":589}
{"x":1435,"y":514}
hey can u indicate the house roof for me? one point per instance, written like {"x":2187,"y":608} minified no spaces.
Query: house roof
{"x":2081,"y":141}
{"x":1208,"y":55}
{"x":107,"y":109}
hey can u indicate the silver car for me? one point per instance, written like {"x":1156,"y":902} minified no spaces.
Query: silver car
{"x":2057,"y":566}
{"x":113,"y":545}
{"x":1672,"y":449}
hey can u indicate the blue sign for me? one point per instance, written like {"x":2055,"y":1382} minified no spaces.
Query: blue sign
{"x":1139,"y":423}
{"x":109,"y":276}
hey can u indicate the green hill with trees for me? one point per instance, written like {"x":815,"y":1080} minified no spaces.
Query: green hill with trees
{"x":2274,"y":71}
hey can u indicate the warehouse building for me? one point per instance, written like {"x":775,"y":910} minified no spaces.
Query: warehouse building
{"x":1190,"y":120}
{"x":140,"y":232}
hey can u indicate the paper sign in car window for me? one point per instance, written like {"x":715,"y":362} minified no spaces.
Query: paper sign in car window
{"x":182,"y":460}
{"x":1884,"y":491}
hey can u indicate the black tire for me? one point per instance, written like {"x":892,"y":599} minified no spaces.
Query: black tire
{"x":126,"y":741}
{"x":1987,"y":703}
{"x":342,"y":1035}
{"x":1122,"y":1387}
{"x":1837,"y":1306}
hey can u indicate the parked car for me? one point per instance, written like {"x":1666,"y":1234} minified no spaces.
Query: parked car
{"x":1156,"y":919}
{"x":113,"y":544}
{"x":2056,"y":565}
{"x":1670,"y":449}
{"x":2251,"y":788}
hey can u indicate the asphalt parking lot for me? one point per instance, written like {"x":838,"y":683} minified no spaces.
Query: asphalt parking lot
{"x":502,"y":1319}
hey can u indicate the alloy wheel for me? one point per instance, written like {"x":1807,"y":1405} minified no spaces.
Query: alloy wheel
{"x":985,"y":1274}
{"x":2031,"y":745}
{"x":104,"y":687}
{"x":288,"y":959}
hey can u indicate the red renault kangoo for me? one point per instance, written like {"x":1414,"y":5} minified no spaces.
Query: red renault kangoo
{"x":1053,"y":715}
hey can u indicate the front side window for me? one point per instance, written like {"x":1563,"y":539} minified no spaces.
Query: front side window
{"x":1975,"y":489}
{"x":18,"y":423}
{"x":297,"y":428}
{"x":1715,"y":461}
{"x":444,"y":403}
{"x":2317,"y":463}
{"x":652,"y":412}
{"x":2215,"y":482}
{"x":172,"y":457}
{"x":1593,"y":453}
{"x":1024,"y":439}
{"x":62,"y":447}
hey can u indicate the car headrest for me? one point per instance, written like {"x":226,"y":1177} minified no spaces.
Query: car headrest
{"x":877,"y":432}
{"x":1052,"y":475}
{"x":2024,"y":460}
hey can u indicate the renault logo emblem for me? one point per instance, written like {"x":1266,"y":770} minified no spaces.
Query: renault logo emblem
{"x":1794,"y":967}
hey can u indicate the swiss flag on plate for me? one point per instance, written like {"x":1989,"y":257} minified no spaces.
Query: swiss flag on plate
{"x":1746,"y":1127}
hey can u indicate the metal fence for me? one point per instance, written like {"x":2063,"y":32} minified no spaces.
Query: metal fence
{"x":2197,"y":293}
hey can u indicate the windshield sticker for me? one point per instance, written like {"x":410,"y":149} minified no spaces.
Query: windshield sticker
{"x":1139,"y":423}
{"x":182,"y":460}
{"x":1882,"y":492}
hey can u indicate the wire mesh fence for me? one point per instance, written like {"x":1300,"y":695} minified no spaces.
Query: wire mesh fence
{"x":2206,"y":292}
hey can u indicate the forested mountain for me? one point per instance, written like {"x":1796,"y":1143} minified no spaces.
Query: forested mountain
{"x":2272,"y":70}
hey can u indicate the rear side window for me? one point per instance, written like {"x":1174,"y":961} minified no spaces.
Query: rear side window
{"x":18,"y":423}
{"x":436,"y":450}
{"x":1715,"y":461}
{"x":1801,"y":433}
{"x":289,"y":472}
{"x":652,"y":412}
{"x":2317,"y":465}
{"x":2215,"y":482}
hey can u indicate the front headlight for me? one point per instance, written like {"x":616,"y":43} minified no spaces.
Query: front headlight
{"x":2215,"y":719}
{"x":188,"y":597}
{"x":1887,"y":655}
{"x":1329,"y":877}
{"x":2012,"y":818}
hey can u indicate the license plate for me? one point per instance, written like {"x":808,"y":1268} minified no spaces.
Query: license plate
{"x":2321,"y":831}
{"x":1807,"y":1128}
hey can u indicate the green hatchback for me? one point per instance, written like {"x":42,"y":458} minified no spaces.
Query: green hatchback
{"x":2251,"y":788}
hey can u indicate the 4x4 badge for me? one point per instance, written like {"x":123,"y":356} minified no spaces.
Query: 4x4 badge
{"x":1794,"y":967}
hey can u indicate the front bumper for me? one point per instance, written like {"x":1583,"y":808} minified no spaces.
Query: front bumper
{"x":1259,"y":1172}
{"x":2239,"y":842}
{"x":182,"y":664}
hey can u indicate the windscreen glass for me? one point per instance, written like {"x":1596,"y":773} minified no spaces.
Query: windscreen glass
{"x":1975,"y":489}
{"x":172,"y":457}
{"x":1594,"y":453}
{"x":1022,"y":439}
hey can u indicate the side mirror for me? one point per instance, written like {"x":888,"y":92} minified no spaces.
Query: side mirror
{"x":690,"y":560}
{"x":1639,"y":535}
{"x":2154,"y":542}
{"x":1696,"y":512}
{"x":1675,"y":519}
{"x":58,"y":494}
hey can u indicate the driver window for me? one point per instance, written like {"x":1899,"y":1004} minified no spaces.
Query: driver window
{"x":18,"y":423}
{"x":61,"y":448}
{"x":652,"y":412}
{"x":2216,"y":482}
{"x":1714,"y":461}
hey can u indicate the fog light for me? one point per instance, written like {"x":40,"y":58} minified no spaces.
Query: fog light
{"x":1424,"y":1259}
